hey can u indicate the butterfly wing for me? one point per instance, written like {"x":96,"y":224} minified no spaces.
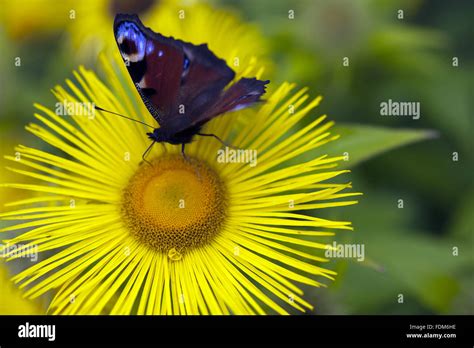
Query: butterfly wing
{"x":175,"y":79}
{"x":154,"y":64}
{"x":240,"y":95}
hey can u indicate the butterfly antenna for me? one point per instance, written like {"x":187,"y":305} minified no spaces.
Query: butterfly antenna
{"x":128,"y":118}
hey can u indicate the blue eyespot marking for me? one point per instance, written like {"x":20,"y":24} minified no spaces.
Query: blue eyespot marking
{"x":131,"y":39}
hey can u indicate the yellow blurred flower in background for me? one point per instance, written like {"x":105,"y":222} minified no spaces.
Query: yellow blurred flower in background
{"x":12,"y":301}
{"x":33,"y":18}
{"x":88,"y":26}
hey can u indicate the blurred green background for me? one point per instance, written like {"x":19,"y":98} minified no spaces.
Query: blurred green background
{"x":409,"y":250}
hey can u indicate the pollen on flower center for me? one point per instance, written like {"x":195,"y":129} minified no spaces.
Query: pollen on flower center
{"x":173,"y":205}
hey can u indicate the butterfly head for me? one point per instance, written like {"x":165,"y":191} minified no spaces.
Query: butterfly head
{"x":157,"y":135}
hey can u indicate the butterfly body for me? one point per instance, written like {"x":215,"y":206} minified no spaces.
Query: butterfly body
{"x":160,"y":135}
{"x":182,"y":85}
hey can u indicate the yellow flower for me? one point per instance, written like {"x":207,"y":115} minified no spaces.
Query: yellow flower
{"x":88,"y":21}
{"x":34,"y":17}
{"x":11,"y":300}
{"x":91,"y":27}
{"x":175,"y":236}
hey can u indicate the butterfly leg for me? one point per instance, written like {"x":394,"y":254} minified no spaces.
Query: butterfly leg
{"x":147,"y":151}
{"x":186,"y":158}
{"x":183,"y":153}
{"x":219,"y":139}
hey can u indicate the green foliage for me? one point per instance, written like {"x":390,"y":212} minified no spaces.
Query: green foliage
{"x":364,"y":142}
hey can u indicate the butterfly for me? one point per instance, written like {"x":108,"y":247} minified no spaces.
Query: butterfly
{"x":183,"y":85}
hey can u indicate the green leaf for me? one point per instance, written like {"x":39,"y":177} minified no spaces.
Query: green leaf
{"x":412,"y":263}
{"x":424,"y":264}
{"x":462,"y":224}
{"x":364,"y":142}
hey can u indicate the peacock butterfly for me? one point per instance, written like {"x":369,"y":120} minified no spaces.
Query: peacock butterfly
{"x":182,"y":85}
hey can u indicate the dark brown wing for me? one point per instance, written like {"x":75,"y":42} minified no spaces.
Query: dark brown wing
{"x":176,"y":80}
{"x":240,"y":95}
{"x":155,"y":65}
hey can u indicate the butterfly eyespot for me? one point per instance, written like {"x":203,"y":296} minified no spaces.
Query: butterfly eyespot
{"x":125,"y":47}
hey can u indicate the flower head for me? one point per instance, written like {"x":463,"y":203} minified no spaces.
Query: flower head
{"x":175,"y":236}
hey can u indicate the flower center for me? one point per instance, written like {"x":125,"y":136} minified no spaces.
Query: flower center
{"x":173,"y":205}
